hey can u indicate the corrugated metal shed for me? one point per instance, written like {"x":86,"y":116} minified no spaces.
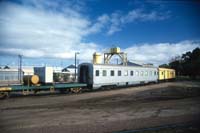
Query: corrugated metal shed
{"x":9,"y":76}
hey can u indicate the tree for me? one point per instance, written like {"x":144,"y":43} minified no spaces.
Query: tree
{"x":6,"y":67}
{"x":187,"y":64}
{"x":165,"y":66}
{"x":195,"y":62}
{"x":175,"y":63}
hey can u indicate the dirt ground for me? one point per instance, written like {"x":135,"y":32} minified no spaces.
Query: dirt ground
{"x":103,"y":111}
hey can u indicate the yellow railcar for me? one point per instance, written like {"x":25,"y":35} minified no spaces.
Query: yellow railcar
{"x":166,"y":74}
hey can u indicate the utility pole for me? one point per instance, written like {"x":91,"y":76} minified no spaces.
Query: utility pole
{"x":76,"y":53}
{"x":20,"y":68}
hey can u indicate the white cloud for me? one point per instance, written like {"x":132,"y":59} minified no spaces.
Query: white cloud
{"x":56,"y":29}
{"x":99,"y":24}
{"x":115,"y":23}
{"x":35,"y":31}
{"x":27,"y":53}
{"x":159,"y":53}
{"x":117,"y":19}
{"x":140,"y":15}
{"x":47,"y":29}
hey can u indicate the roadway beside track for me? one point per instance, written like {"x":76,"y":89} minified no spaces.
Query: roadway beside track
{"x":103,"y":111}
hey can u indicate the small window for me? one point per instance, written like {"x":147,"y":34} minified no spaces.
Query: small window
{"x":141,"y":73}
{"x":97,"y":72}
{"x":112,"y":73}
{"x":155,"y":72}
{"x":131,"y":73}
{"x":146,"y":73}
{"x":150,"y":73}
{"x":137,"y":73}
{"x":119,"y":73}
{"x":104,"y":73}
{"x":126,"y":73}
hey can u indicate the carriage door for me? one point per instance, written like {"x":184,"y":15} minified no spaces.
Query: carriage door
{"x":84,"y":74}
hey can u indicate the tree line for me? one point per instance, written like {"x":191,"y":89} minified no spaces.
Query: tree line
{"x":188,"y":64}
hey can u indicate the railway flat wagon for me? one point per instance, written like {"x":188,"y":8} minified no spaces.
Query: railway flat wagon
{"x":26,"y":89}
{"x":166,"y":74}
{"x":102,"y":75}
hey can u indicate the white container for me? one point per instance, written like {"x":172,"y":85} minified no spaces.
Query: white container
{"x":45,"y":74}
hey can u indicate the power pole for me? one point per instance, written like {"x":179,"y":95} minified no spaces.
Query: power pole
{"x":20,"y":68}
{"x":76,"y":53}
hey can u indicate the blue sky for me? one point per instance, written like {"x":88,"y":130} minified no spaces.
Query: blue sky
{"x":49,"y":32}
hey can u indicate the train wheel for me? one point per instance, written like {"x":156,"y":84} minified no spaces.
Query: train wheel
{"x":64,"y":91}
{"x":35,"y":92}
{"x":4,"y":95}
{"x":25,"y":92}
{"x":76,"y":90}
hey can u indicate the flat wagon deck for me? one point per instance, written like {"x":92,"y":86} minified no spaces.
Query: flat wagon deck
{"x":25,"y":89}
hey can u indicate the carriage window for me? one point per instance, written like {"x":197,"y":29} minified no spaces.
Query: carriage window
{"x":119,"y":73}
{"x":146,"y":73}
{"x":141,"y":73}
{"x":150,"y":73}
{"x":104,"y":73}
{"x":97,"y":72}
{"x":125,"y":73}
{"x":131,"y":73}
{"x":137,"y":73}
{"x":155,"y":72}
{"x":112,"y":73}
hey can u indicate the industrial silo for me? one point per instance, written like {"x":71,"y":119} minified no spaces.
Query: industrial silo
{"x":97,"y":58}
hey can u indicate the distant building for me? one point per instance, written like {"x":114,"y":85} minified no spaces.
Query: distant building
{"x":63,"y":77}
{"x":70,"y":68}
{"x":9,"y":76}
{"x":57,"y":69}
{"x":148,"y":65}
{"x":6,"y":67}
{"x":131,"y":64}
{"x":28,"y":70}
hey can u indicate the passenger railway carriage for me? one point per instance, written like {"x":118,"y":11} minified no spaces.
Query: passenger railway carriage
{"x":166,"y":74}
{"x":102,"y":75}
